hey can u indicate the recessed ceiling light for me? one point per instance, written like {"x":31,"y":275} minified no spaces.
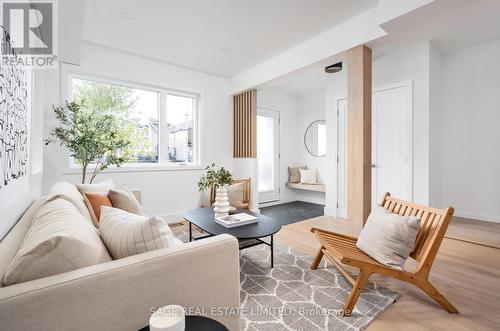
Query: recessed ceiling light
{"x":127,"y":15}
{"x":225,"y":49}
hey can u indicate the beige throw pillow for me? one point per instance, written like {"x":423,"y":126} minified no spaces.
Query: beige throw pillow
{"x":59,"y":240}
{"x":388,"y":238}
{"x":125,"y":200}
{"x":294,"y":174}
{"x":126,"y":234}
{"x":308,"y":176}
{"x":103,"y":187}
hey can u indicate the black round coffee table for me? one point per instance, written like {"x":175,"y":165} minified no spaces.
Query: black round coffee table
{"x":198,"y":323}
{"x":248,"y":235}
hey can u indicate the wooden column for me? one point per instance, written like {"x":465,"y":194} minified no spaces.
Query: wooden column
{"x":359,"y":135}
{"x":245,"y":124}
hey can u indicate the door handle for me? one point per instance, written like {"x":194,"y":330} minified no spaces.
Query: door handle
{"x":374,"y":165}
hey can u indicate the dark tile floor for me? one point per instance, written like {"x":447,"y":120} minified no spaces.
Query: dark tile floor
{"x":292,"y":212}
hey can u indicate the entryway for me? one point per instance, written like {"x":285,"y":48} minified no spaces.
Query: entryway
{"x":268,"y":154}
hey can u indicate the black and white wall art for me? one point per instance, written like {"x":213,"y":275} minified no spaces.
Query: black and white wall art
{"x":14,"y":121}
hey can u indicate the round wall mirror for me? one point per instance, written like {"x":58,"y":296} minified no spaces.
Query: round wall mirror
{"x":315,"y":138}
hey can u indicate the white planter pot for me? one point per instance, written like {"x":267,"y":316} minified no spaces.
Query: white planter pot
{"x":221,"y":205}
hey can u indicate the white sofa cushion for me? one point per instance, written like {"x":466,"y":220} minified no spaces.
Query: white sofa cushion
{"x":388,"y":238}
{"x":60,"y":239}
{"x":69,"y":192}
{"x":126,"y":234}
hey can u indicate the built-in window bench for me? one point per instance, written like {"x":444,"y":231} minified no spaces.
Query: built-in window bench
{"x":307,"y":187}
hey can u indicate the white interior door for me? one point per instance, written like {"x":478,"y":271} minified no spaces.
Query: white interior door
{"x":342,"y":158}
{"x":392,"y":146}
{"x":268,"y":154}
{"x":392,"y":143}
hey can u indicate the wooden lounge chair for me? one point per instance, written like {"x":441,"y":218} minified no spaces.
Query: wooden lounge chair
{"x":341,"y":249}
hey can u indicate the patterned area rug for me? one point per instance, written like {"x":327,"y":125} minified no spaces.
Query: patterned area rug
{"x":292,"y":297}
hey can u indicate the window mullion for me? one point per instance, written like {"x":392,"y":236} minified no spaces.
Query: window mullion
{"x":163,"y":157}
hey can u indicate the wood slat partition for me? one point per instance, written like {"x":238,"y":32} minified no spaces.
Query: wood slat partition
{"x":245,"y":124}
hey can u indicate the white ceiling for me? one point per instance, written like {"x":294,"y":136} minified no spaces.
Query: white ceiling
{"x":451,"y":25}
{"x":222,"y":37}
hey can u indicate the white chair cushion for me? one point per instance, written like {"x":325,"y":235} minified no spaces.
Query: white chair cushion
{"x":235,"y":193}
{"x":59,"y":240}
{"x":126,"y":234}
{"x":388,"y":238}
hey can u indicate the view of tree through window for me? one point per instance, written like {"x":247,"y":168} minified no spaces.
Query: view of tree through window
{"x":139,"y":109}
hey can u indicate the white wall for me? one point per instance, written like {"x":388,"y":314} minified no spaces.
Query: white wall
{"x":287,"y":105}
{"x":470,"y":160}
{"x":165,"y":192}
{"x":435,"y":126}
{"x":311,"y":108}
{"x":16,"y":197}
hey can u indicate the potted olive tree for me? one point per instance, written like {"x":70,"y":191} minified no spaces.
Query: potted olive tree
{"x":220,"y":177}
{"x":95,"y":139}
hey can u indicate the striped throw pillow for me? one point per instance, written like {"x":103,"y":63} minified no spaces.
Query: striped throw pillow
{"x":126,"y":234}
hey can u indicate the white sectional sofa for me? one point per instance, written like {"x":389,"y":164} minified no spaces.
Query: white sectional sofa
{"x":202,"y":276}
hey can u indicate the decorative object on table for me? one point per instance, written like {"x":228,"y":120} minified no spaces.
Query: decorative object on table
{"x":315,"y":138}
{"x":15,"y":117}
{"x":168,"y":318}
{"x":218,"y":177}
{"x":93,"y":137}
{"x":239,"y":194}
{"x":235,"y":220}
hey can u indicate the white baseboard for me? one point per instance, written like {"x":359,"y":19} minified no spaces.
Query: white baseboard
{"x":476,"y":216}
{"x":277,"y":202}
{"x":330,"y":211}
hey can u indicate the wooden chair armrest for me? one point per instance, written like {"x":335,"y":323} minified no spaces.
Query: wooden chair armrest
{"x":314,"y":229}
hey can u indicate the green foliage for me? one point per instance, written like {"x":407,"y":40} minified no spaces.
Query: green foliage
{"x":93,"y":136}
{"x":214,"y":176}
{"x":105,"y":97}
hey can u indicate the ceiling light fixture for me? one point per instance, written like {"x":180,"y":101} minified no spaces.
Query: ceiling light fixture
{"x":334,"y":68}
{"x":127,"y":15}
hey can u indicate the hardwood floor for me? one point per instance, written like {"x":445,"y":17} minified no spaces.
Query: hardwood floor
{"x":480,"y":232}
{"x":468,"y":275}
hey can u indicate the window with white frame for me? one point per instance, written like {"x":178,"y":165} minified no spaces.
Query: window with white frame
{"x":163,"y":123}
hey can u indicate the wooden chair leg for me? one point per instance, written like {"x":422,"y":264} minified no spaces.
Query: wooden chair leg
{"x":356,"y":291}
{"x":428,"y":288}
{"x":317,"y":259}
